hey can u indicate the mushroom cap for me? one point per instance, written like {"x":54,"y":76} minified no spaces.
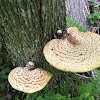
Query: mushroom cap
{"x":59,"y":32}
{"x":28,"y":81}
{"x":78,"y":52}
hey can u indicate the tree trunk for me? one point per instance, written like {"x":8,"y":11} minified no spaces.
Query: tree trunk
{"x":79,"y":11}
{"x":27,"y":25}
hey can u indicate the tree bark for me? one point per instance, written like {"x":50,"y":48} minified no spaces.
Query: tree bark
{"x":28,"y":25}
{"x":79,"y":11}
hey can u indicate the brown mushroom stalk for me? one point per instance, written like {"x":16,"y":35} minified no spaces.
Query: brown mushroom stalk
{"x":78,"y":52}
{"x":30,"y":65}
{"x":28,"y":79}
{"x":72,"y":40}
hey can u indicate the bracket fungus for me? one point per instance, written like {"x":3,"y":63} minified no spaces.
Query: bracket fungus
{"x":28,"y":79}
{"x":78,"y":52}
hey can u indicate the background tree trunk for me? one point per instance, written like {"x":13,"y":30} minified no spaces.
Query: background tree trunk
{"x":79,"y":11}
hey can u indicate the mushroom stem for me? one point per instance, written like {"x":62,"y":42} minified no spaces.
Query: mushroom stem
{"x":94,"y":29}
{"x":30,"y":65}
{"x":72,"y":40}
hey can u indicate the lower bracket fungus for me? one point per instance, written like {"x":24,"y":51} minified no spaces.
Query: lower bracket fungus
{"x":78,"y":52}
{"x":28,"y":79}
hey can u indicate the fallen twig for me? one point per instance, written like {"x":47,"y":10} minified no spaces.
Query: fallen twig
{"x":82,"y":76}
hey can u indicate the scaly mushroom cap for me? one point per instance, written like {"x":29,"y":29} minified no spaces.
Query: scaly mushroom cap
{"x":78,"y":52}
{"x":29,"y":81}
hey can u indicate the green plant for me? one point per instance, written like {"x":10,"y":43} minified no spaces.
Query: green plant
{"x":3,"y":86}
{"x":4,"y":72}
{"x":52,"y":96}
{"x":3,"y":80}
{"x":2,"y":98}
{"x":84,"y":91}
{"x":95,"y":13}
{"x":70,"y":22}
{"x":3,"y":76}
{"x":18,"y":94}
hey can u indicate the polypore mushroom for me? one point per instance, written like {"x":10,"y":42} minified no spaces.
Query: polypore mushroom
{"x":78,"y":52}
{"x":28,"y":79}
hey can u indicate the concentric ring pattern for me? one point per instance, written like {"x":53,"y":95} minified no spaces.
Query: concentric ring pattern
{"x":28,"y":81}
{"x":80,"y":57}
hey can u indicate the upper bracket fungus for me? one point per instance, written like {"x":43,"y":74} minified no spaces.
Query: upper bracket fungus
{"x":28,"y":79}
{"x":78,"y":52}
